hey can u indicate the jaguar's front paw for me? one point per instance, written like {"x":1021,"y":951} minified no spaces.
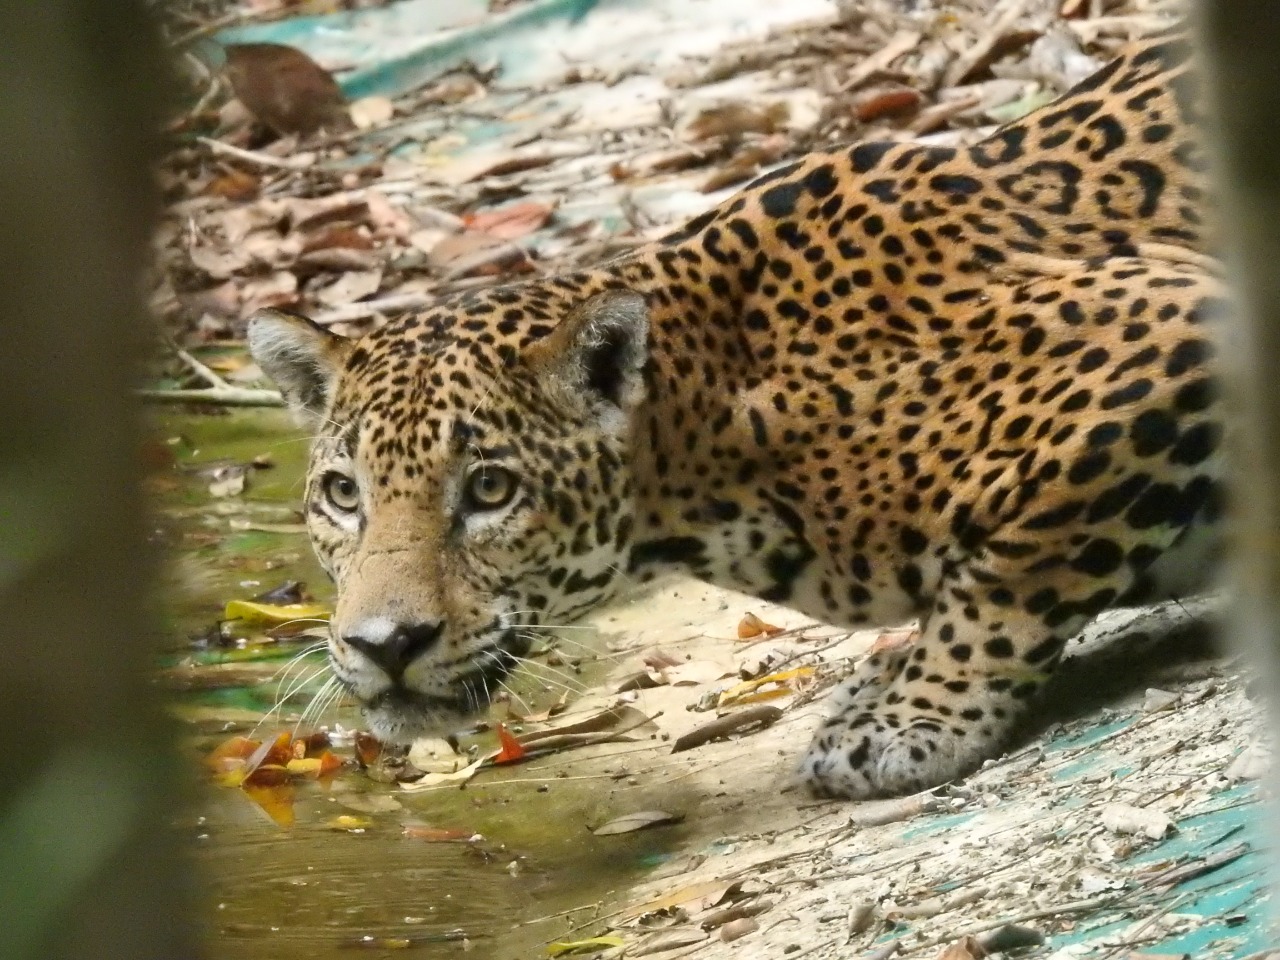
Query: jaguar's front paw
{"x":877,"y":754}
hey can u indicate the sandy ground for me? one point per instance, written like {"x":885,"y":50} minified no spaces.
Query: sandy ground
{"x":1123,"y":819}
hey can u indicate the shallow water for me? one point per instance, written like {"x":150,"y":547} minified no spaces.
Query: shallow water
{"x":310,"y":890}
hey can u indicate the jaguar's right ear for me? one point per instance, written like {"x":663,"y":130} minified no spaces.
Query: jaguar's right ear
{"x":303,"y":358}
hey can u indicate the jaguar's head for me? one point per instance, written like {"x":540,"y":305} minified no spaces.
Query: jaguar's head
{"x":469,"y":480}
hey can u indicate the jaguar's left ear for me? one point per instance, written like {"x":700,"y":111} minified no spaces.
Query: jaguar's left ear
{"x":599,"y":349}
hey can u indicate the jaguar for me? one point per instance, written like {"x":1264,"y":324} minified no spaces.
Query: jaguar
{"x":972,"y":386}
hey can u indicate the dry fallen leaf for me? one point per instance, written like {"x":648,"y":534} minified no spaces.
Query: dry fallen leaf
{"x":708,"y":894}
{"x":777,"y":684}
{"x":350,"y":287}
{"x":440,"y":779}
{"x":966,"y":949}
{"x":338,"y":235}
{"x":617,"y":718}
{"x":694,"y":672}
{"x":271,"y":614}
{"x":511,"y":222}
{"x":471,"y":252}
{"x":220,"y":264}
{"x":233,"y":185}
{"x":275,"y":801}
{"x":751,"y":626}
{"x":894,"y":640}
{"x":368,"y":748}
{"x":512,"y":750}
{"x":735,"y":119}
{"x":631,"y":822}
{"x":433,"y":755}
{"x":882,"y":102}
{"x":666,"y":940}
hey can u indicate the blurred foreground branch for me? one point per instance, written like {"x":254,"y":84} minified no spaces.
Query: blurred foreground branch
{"x":1241,"y":40}
{"x":88,"y":862}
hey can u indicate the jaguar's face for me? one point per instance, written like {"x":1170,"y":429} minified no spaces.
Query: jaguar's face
{"x":460,"y":497}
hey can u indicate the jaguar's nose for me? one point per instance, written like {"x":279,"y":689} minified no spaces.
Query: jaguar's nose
{"x":400,"y":647}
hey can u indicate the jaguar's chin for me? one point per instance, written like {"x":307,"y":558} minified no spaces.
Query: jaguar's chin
{"x":401,"y":714}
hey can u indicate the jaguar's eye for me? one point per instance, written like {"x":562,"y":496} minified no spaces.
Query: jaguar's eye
{"x":489,"y":488}
{"x":341,"y":491}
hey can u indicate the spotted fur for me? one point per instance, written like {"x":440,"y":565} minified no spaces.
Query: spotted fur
{"x":972,"y":386}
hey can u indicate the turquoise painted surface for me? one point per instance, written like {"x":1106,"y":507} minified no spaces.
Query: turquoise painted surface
{"x":396,"y":48}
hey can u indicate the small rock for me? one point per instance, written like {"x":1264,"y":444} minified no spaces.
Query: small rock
{"x":1157,"y":700}
{"x":736,"y":929}
{"x":1123,"y":818}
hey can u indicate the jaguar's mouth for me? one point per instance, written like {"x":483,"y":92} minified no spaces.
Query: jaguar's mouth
{"x":400,"y":714}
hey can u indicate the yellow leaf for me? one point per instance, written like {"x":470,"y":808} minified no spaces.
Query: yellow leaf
{"x":735,"y":694}
{"x":594,"y":945}
{"x":304,"y":767}
{"x":272,"y":614}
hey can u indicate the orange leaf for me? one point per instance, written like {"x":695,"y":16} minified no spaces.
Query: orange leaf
{"x":275,"y":802}
{"x":234,"y":185}
{"x":231,"y":754}
{"x":894,"y":640}
{"x":751,"y":626}
{"x":268,"y":775}
{"x":337,"y":236}
{"x":511,"y":222}
{"x":313,"y":745}
{"x":368,"y":748}
{"x":512,"y":750}
{"x":329,"y":763}
{"x":304,"y":767}
{"x":275,"y":752}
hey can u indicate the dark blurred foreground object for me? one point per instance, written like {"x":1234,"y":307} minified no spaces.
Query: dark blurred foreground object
{"x":1241,"y":41}
{"x":89,"y":865}
{"x":285,"y":89}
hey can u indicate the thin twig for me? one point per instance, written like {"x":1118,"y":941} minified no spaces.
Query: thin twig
{"x":199,"y":369}
{"x":299,"y":162}
{"x":367,"y":308}
{"x":1074,"y":906}
{"x":228,"y":396}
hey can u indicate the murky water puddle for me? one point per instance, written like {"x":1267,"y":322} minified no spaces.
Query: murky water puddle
{"x":345,"y":876}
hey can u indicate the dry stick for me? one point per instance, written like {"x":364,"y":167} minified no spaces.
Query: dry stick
{"x":1075,"y":906}
{"x":225,"y":396}
{"x":1134,"y":938}
{"x":902,"y":42}
{"x":931,"y":118}
{"x":367,"y":308}
{"x":722,"y":726}
{"x":1002,"y":23}
{"x":300,"y":162}
{"x":199,"y":369}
